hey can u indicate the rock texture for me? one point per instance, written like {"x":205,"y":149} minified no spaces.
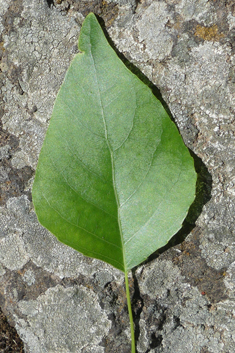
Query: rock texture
{"x":60,"y":301}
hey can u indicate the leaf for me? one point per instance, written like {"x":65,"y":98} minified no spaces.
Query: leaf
{"x":114,"y":179}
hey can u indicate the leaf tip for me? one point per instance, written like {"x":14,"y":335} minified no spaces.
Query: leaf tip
{"x":89,"y":25}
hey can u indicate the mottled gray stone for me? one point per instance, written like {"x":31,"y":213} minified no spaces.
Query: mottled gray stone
{"x":153,"y":21}
{"x":29,"y":277}
{"x":199,"y":10}
{"x":2,"y":270}
{"x":60,"y":301}
{"x":4,"y":174}
{"x":61,"y":320}
{"x":12,"y":252}
{"x":191,"y":323}
{"x":3,"y":10}
{"x":4,"y":152}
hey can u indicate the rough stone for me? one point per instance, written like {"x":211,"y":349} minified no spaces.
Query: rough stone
{"x":183,"y":299}
{"x":61,"y":320}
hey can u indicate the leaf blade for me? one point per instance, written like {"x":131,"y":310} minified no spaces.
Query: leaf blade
{"x":102,"y":183}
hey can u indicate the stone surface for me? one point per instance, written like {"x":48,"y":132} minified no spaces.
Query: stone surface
{"x":49,"y":327}
{"x":60,"y":301}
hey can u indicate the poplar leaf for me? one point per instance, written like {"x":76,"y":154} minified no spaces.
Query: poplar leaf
{"x":114,"y":179}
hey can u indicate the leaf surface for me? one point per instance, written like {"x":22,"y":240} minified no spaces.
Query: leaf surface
{"x":114,"y":179}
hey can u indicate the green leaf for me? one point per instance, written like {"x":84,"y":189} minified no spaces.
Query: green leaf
{"x":114,"y":179}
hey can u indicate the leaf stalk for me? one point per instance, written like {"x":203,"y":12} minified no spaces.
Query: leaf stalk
{"x":130,"y":314}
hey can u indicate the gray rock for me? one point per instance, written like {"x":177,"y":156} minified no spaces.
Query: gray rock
{"x":4,"y":152}
{"x":59,"y":300}
{"x":61,"y":320}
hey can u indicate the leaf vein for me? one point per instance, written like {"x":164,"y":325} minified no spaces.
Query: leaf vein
{"x":112,"y":162}
{"x":163,"y":199}
{"x":95,"y":252}
{"x":79,"y":227}
{"x":82,"y":124}
{"x":77,"y":193}
{"x":101,"y":177}
{"x":137,"y":188}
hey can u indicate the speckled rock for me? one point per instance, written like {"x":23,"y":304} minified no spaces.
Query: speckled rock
{"x":183,"y":299}
{"x":51,"y":328}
